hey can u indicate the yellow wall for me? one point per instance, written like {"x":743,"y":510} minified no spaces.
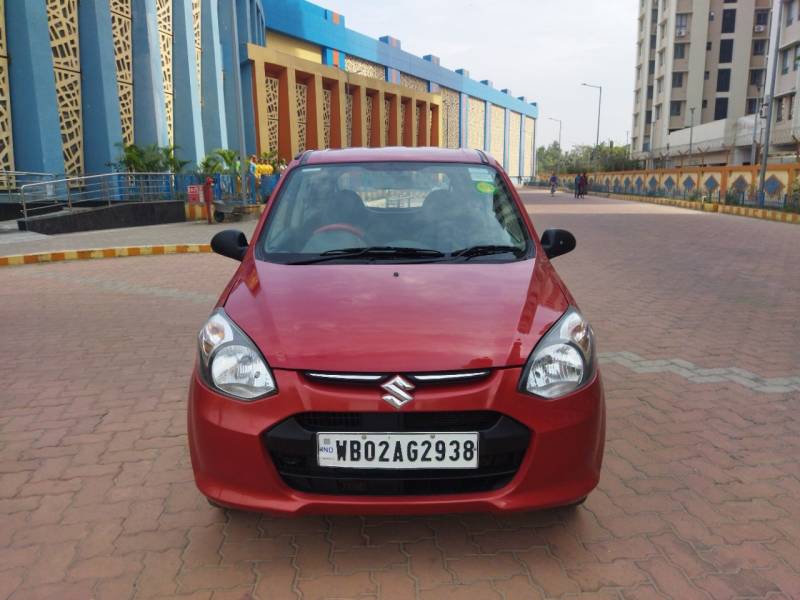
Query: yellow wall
{"x":294,"y":47}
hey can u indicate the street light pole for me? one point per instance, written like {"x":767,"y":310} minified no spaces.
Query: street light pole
{"x":560,"y":151}
{"x":691,"y":132}
{"x":756,"y":118}
{"x":774,"y":50}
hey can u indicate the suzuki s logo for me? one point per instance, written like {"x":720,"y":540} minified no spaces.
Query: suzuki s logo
{"x":398,"y":388}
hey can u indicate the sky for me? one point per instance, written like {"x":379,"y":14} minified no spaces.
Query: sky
{"x":541,"y":49}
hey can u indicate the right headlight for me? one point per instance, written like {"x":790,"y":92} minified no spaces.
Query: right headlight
{"x":230,"y":362}
{"x":563,"y":360}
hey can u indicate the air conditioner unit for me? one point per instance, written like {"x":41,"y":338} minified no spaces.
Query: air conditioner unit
{"x":760,"y":28}
{"x":680,"y":32}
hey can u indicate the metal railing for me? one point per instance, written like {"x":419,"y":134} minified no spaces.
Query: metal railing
{"x":96,"y":190}
{"x":12,"y":181}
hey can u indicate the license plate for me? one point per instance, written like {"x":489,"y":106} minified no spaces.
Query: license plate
{"x":398,"y":450}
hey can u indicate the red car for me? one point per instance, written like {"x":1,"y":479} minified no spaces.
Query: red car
{"x":395,"y":340}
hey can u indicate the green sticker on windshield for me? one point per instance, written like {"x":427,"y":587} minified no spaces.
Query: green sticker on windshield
{"x":484,"y":187}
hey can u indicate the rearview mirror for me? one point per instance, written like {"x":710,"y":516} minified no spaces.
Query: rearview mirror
{"x":557,"y":242}
{"x":231,"y":243}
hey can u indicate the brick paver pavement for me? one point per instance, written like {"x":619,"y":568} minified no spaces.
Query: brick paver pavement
{"x":696,"y":319}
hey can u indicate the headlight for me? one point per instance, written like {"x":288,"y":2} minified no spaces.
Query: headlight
{"x":230,"y":362}
{"x":563,"y":360}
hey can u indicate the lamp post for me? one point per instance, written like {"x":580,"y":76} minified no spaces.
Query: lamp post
{"x":691,"y":132}
{"x":769,"y":92}
{"x":560,"y":151}
{"x":599,"y":104}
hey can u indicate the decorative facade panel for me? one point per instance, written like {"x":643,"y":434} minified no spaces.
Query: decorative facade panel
{"x":476,"y":120}
{"x":121,"y":33}
{"x":273,"y":86}
{"x":301,"y":92}
{"x":62,"y":20}
{"x":402,"y":123}
{"x":348,"y":120}
{"x":368,"y":118}
{"x":387,"y":113}
{"x":414,"y":83}
{"x":530,"y":124}
{"x":365,"y":68}
{"x":326,"y":118}
{"x":68,"y":93}
{"x":498,"y":141}
{"x":198,"y":44}
{"x":6,"y":140}
{"x":514,"y":123}
{"x":417,"y":115}
{"x":450,"y":105}
{"x":164,"y":22}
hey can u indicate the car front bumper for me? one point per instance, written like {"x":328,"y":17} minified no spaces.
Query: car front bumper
{"x":234,"y":459}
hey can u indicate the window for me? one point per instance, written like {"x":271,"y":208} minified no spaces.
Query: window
{"x":711,"y":15}
{"x":649,"y":92}
{"x":646,"y":144}
{"x":675,"y":108}
{"x":723,"y":80}
{"x":704,"y":104}
{"x":659,"y":85}
{"x":648,"y":116}
{"x":779,"y":109}
{"x":759,"y":47}
{"x":752,"y":106}
{"x":651,"y":67}
{"x":796,"y":57}
{"x":729,"y":20}
{"x":677,"y":79}
{"x":790,"y":106}
{"x":653,"y":42}
{"x":708,"y":46}
{"x":658,"y":112}
{"x":660,"y":58}
{"x":681,"y":24}
{"x":680,"y":51}
{"x":762,"y":17}
{"x":654,"y":16}
{"x":706,"y":75}
{"x":789,"y":7}
{"x":721,"y":109}
{"x":385,"y":202}
{"x":725,"y":51}
{"x":784,"y":62}
{"x":757,"y":77}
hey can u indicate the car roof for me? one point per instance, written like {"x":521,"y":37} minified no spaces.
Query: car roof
{"x":395,"y":153}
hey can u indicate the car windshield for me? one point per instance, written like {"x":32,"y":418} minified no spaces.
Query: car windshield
{"x":401,"y":212}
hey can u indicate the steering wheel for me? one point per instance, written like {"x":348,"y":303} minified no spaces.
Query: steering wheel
{"x":359,"y":233}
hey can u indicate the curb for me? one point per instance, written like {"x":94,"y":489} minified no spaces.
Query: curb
{"x":96,"y":253}
{"x":764,"y":214}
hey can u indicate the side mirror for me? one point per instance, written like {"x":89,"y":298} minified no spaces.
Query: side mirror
{"x":557,"y":242}
{"x":231,"y":243}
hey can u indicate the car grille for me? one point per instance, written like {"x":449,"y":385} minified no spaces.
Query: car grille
{"x":292,"y":446}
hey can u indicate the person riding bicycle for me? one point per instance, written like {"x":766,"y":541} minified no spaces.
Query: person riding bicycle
{"x":553,"y":183}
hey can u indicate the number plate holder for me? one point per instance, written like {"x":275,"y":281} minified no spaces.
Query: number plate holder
{"x":371,"y":450}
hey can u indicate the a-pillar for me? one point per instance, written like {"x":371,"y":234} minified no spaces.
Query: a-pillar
{"x":149,"y":110}
{"x":215,"y":127}
{"x":187,"y":114}
{"x":34,"y":115}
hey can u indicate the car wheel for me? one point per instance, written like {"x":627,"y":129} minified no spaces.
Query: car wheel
{"x":219,"y":216}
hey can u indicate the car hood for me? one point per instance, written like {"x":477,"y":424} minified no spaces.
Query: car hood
{"x":395,"y":318}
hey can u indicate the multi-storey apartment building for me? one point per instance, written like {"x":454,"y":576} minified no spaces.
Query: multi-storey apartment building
{"x":701,"y":71}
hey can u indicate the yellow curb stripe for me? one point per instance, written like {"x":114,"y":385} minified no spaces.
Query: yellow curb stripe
{"x":98,"y":253}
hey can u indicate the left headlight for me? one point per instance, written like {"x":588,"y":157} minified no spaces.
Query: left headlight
{"x":563,"y":360}
{"x":230,"y":361}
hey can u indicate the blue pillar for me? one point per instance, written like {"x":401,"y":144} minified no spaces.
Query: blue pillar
{"x":34,"y":105}
{"x":102,"y":126}
{"x":245,"y":16}
{"x":215,"y":127}
{"x":187,"y":115}
{"x":149,"y":111}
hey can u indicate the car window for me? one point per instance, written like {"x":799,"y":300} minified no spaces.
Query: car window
{"x":447,"y":207}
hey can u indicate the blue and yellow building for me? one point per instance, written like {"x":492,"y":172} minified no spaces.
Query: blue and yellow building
{"x":80,"y":78}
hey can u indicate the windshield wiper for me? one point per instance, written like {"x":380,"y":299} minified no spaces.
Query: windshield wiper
{"x":371,"y":252}
{"x":486,"y":250}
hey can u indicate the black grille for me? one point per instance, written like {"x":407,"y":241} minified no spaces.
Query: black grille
{"x":292,"y":446}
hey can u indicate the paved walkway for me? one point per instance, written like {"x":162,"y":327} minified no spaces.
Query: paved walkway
{"x":696,"y":318}
{"x":190,"y":232}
